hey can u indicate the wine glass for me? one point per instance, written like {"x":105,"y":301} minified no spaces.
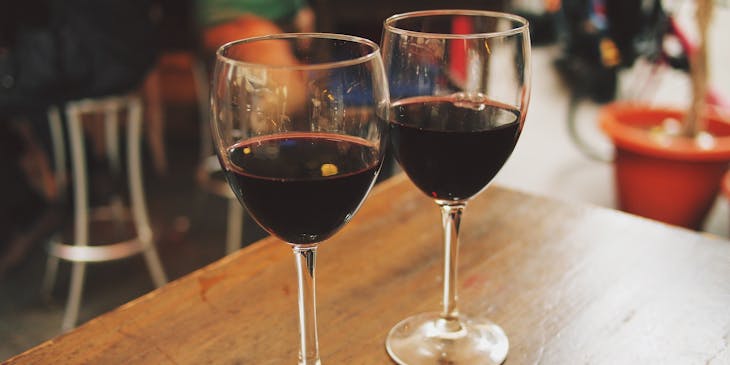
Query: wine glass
{"x":298,"y":124}
{"x":459,"y":86}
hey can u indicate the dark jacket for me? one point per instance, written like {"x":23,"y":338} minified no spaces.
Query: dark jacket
{"x":57,"y":50}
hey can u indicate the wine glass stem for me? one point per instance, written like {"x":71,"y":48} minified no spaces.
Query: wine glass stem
{"x":308,"y":346}
{"x":451,"y":219}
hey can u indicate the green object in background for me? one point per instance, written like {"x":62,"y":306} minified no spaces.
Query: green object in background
{"x":212,"y":12}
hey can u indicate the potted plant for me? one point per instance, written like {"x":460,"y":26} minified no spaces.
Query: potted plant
{"x":669,"y":163}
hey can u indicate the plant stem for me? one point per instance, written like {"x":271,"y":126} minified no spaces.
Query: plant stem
{"x":694,"y":122}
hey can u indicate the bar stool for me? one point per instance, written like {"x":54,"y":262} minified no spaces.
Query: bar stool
{"x":81,"y":251}
{"x":209,"y":174}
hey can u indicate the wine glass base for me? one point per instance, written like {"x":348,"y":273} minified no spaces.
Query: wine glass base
{"x":421,"y":340}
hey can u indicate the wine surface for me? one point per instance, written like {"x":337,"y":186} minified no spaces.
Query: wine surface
{"x":302,"y":187}
{"x":452,"y":148}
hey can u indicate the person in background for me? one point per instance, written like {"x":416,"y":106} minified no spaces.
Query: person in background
{"x":51,"y":52}
{"x":222,"y":21}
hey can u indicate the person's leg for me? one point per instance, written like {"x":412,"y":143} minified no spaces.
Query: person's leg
{"x":22,"y":207}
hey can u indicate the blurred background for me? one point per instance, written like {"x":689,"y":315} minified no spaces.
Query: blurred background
{"x":586,"y":53}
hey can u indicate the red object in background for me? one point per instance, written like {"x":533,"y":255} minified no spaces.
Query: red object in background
{"x":670,"y":179}
{"x":458,"y":49}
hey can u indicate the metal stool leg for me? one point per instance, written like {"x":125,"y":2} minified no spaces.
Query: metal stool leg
{"x":81,"y":208}
{"x":235,"y":226}
{"x":59,"y":162}
{"x":139,"y":209}
{"x":49,"y":278}
{"x":59,"y":148}
{"x":111,"y":136}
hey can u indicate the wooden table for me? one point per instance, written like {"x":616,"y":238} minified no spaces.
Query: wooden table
{"x":569,"y":283}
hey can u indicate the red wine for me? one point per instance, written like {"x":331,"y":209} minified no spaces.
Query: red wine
{"x":452,"y":148}
{"x":302,"y":187}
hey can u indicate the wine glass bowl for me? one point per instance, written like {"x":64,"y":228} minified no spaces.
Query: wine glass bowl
{"x":297,"y":151}
{"x":298,"y":123}
{"x":459,"y":85}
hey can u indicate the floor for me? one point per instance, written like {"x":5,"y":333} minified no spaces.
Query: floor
{"x":190,"y":224}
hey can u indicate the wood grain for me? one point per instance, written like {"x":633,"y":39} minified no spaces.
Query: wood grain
{"x":569,"y":283}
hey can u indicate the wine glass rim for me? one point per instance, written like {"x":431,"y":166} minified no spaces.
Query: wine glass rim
{"x":524,"y":24}
{"x":374,"y":51}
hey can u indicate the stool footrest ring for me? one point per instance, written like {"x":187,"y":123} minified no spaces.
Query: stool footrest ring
{"x":101,"y":253}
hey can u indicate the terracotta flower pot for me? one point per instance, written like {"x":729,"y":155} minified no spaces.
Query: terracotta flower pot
{"x":670,"y":179}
